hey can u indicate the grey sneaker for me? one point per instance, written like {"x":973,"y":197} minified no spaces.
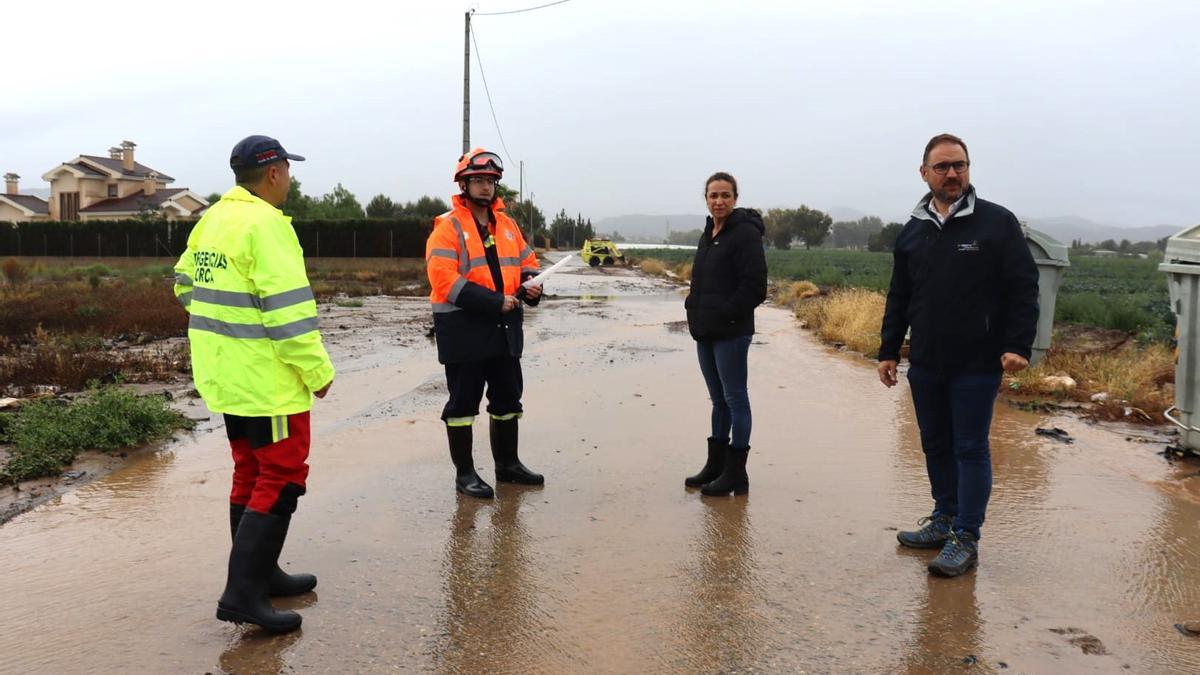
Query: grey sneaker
{"x":959,"y":555}
{"x":934,"y":532}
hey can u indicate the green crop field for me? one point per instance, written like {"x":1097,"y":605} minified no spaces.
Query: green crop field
{"x":1128,"y":294}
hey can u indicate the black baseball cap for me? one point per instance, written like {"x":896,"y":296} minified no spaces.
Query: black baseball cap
{"x":255,"y":151}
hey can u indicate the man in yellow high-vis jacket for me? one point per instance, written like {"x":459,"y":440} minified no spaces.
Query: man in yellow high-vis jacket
{"x":257,"y":357}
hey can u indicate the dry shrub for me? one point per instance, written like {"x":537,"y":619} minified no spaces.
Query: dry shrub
{"x":1134,"y":376}
{"x":14,"y":271}
{"x":146,"y":308}
{"x":788,"y":292}
{"x":684,"y":271}
{"x":61,"y":363}
{"x":367,"y":276}
{"x":652,"y":266}
{"x":853,"y":317}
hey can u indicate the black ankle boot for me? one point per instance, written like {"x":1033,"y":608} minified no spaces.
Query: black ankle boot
{"x":713,"y":467}
{"x":279,"y":583}
{"x":733,"y":478}
{"x":466,"y":480}
{"x":255,"y":551}
{"x":509,"y":469}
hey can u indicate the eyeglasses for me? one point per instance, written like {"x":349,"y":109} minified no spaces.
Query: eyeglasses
{"x":942,"y":168}
{"x":481,"y":180}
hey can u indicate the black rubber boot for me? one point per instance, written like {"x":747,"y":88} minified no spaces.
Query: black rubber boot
{"x":509,"y":468}
{"x":934,"y":532}
{"x":959,"y":555}
{"x":713,"y":467}
{"x":733,"y":477}
{"x":466,"y":480}
{"x":255,"y":551}
{"x":279,"y":583}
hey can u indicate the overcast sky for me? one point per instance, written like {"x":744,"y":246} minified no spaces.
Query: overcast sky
{"x":617,"y":107}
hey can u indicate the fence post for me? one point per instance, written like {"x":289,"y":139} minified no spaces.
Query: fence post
{"x":318,"y":243}
{"x":391,"y":243}
{"x":71,"y":244}
{"x":126,"y":244}
{"x":354,"y":244}
{"x":99,"y":246}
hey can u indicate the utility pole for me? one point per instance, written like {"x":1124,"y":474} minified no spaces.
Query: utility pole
{"x":521,"y":189}
{"x":467,"y":84}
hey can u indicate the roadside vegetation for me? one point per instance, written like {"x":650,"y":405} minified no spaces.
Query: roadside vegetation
{"x":1126,"y":375}
{"x":46,"y":435}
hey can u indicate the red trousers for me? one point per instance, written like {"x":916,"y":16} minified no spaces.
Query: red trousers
{"x":269,"y":461}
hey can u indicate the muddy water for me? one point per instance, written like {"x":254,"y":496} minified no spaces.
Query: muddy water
{"x":1089,"y":555}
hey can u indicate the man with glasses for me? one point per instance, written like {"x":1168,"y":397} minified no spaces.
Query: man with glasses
{"x":477,"y":259}
{"x":965,"y":283}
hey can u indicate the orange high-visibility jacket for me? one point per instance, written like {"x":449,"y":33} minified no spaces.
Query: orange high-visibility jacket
{"x":466,"y":304}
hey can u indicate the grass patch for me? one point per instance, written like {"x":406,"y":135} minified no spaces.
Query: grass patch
{"x":48,"y":434}
{"x":353,"y":302}
{"x":653,"y":267}
{"x":849,"y":317}
{"x":1137,"y":378}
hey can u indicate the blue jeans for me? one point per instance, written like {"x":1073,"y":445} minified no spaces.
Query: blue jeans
{"x":724,"y":364}
{"x":954,"y":414}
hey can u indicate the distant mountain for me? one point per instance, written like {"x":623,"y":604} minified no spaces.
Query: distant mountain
{"x":1068,"y":228}
{"x":642,"y":225}
{"x":845,"y":214}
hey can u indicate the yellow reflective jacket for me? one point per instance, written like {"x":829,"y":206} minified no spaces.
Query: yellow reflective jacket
{"x":256,"y":347}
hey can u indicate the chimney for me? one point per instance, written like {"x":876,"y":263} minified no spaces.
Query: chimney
{"x":127,"y":155}
{"x":150,"y":184}
{"x":10,"y":183}
{"x":114,"y":153}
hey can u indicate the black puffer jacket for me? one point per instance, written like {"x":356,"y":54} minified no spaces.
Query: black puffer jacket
{"x":729,"y":278}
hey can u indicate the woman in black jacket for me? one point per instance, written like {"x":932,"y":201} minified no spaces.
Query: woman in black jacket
{"x":729,"y":279}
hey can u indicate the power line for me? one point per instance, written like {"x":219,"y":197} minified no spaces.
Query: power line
{"x":519,"y":11}
{"x":489,"y":96}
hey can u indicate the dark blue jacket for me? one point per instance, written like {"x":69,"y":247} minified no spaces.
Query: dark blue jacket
{"x":968,"y":290}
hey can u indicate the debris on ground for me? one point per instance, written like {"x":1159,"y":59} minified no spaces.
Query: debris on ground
{"x":1055,"y":433}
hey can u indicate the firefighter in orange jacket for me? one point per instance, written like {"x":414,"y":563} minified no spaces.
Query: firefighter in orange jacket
{"x":477,"y":259}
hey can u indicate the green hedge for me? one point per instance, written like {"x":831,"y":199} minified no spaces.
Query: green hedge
{"x":383,"y":238}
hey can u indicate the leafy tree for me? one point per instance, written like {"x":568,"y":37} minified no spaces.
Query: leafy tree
{"x":426,"y":206}
{"x":213,"y":198}
{"x":338,"y":204}
{"x":779,"y":226}
{"x":298,"y":205}
{"x":855,"y":234}
{"x":381,"y":206}
{"x":885,"y":239}
{"x":812,"y":226}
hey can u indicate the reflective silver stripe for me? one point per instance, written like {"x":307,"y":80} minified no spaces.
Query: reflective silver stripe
{"x":459,"y":284}
{"x":185,"y":299}
{"x":225,"y":298}
{"x":286,"y":298}
{"x":476,"y":263}
{"x":526,"y":252}
{"x":510,"y":262}
{"x":293,"y":329}
{"x":443,"y":253}
{"x":463,"y":261}
{"x":251,"y":331}
{"x":244,"y":331}
{"x":249,"y":300}
{"x":445,"y":308}
{"x":183,"y":279}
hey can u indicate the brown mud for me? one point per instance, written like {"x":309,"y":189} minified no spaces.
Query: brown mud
{"x":1091,"y":550}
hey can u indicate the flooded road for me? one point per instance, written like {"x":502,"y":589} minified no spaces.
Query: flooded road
{"x":1090,"y":553}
